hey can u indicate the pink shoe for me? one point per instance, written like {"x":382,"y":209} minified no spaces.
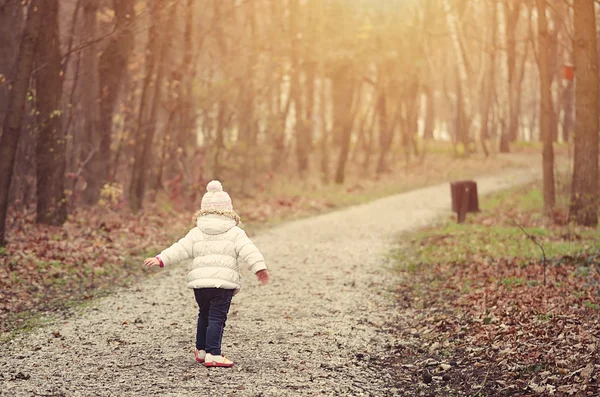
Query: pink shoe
{"x":217,"y":361}
{"x":200,"y":355}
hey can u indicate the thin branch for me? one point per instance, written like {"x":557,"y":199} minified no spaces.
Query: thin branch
{"x":71,"y":37}
{"x":485,"y":380}
{"x":85,"y":162}
{"x":89,"y":43}
{"x":65,"y":57}
{"x":561,"y":21}
{"x":536,"y":243}
{"x":115,"y":29}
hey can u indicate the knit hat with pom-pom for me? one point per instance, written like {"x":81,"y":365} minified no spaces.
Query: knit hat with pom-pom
{"x":216,"y":199}
{"x":217,"y":202}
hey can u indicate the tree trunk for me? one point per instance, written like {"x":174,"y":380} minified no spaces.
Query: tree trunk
{"x":301,"y":130}
{"x":461,"y":122}
{"x":112,"y":72}
{"x":412,"y":117}
{"x":279,"y":117}
{"x":519,"y":84}
{"x":127,"y":128}
{"x":512,"y":14}
{"x":387,"y":94}
{"x":567,"y":103}
{"x":248,"y":118}
{"x":16,"y":108}
{"x":183,"y":136}
{"x":556,"y":19}
{"x":307,"y":137}
{"x":188,"y":112}
{"x":220,"y":140}
{"x":583,"y":209}
{"x":90,"y":93}
{"x":430,"y":114}
{"x":369,"y":146}
{"x":360,"y":139}
{"x":504,"y":71}
{"x":22,"y":189}
{"x":51,"y":144}
{"x":222,"y":109}
{"x":11,"y":25}
{"x":148,"y":111}
{"x":321,"y":54}
{"x":165,"y":145}
{"x":343,"y":98}
{"x":325,"y":141}
{"x":463,"y":70}
{"x":403,"y":116}
{"x":488,"y":82}
{"x":545,"y":110}
{"x":385,"y":133}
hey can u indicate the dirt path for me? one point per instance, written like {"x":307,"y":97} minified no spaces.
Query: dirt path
{"x":318,"y":329}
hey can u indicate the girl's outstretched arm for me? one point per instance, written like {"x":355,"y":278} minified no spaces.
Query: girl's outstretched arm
{"x":246,"y":249}
{"x":176,"y":253}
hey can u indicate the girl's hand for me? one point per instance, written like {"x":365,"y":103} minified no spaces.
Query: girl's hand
{"x":150,"y":262}
{"x":263,"y":276}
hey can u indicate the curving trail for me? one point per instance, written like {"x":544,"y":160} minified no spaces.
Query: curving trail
{"x":320,"y":328}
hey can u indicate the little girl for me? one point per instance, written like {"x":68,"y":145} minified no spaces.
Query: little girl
{"x":214,"y":245}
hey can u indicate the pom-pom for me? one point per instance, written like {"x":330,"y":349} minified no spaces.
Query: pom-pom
{"x":214,"y":186}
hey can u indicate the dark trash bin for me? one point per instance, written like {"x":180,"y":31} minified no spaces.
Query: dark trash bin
{"x":464,"y":198}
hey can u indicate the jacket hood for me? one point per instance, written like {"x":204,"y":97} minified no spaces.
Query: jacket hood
{"x":215,"y":224}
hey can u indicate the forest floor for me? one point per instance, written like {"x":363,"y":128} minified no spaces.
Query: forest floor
{"x":51,"y":270}
{"x":483,"y":311}
{"x":328,"y":324}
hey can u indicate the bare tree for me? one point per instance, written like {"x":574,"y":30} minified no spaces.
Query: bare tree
{"x":112,"y":72}
{"x":545,"y":109}
{"x":463,"y":69}
{"x":297,"y":94}
{"x":584,"y":195}
{"x":51,"y":144}
{"x":512,"y":14}
{"x":90,"y":95}
{"x":16,"y":108}
{"x":149,"y":105}
{"x":489,"y":65}
{"x":11,"y":25}
{"x":222,"y":108}
{"x":386,"y":121}
{"x":344,"y":92}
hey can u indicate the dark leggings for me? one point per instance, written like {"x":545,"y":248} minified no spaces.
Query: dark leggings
{"x":213,"y":305}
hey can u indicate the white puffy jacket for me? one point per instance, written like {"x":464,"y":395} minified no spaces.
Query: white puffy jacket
{"x":215,"y":245}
